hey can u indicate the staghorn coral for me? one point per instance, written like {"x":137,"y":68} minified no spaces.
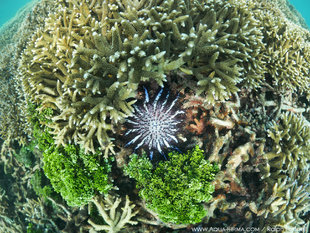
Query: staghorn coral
{"x":286,"y":53}
{"x":286,"y":204}
{"x":290,"y":145}
{"x":87,"y":61}
{"x":115,"y":219}
{"x":35,"y":211}
{"x":13,"y":37}
{"x":285,"y":199}
{"x":84,"y":88}
{"x":11,"y":120}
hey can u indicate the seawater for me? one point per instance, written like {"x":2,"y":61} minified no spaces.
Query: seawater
{"x":9,"y":8}
{"x":303,"y":6}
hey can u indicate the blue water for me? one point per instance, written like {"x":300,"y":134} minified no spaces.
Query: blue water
{"x":303,"y":6}
{"x":8,"y":9}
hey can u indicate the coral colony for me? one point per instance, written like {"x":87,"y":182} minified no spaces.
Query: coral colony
{"x":154,"y":124}
{"x":70,"y":72}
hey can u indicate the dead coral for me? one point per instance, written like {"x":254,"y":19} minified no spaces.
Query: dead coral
{"x":115,"y":219}
{"x":233,"y":192}
{"x":203,"y":118}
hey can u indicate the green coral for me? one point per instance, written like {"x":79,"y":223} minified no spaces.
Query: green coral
{"x":176,"y":188}
{"x":77,"y":176}
{"x":42,"y":186}
{"x":37,"y":120}
{"x":32,"y":229}
{"x":40,"y":132}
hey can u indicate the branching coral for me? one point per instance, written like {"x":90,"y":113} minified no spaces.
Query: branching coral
{"x":76,"y":77}
{"x":115,"y":219}
{"x":286,"y":53}
{"x":87,"y":61}
{"x":287,"y":202}
{"x":286,"y":198}
{"x":175,"y":189}
{"x":13,"y":37}
{"x":291,"y":145}
{"x":11,"y":122}
{"x":76,"y":175}
{"x":36,"y":212}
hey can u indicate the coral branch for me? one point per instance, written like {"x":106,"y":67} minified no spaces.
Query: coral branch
{"x":116,"y":220}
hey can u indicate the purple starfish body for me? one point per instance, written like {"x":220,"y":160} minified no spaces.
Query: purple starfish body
{"x":154,"y":125}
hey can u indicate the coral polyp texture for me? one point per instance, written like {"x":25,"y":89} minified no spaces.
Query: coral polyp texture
{"x":88,"y":59}
{"x":73,"y":93}
{"x":176,"y":189}
{"x":155,"y":124}
{"x":287,"y":50}
{"x":285,"y":201}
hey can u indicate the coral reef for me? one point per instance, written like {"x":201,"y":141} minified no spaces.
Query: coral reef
{"x":286,"y":53}
{"x":154,"y":124}
{"x":228,"y":76}
{"x":86,"y":63}
{"x":13,"y":37}
{"x":291,"y":13}
{"x":175,"y":189}
{"x":12,"y":127}
{"x":115,"y":220}
{"x":286,"y":174}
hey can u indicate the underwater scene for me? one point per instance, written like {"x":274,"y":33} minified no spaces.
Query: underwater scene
{"x":155,"y":116}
